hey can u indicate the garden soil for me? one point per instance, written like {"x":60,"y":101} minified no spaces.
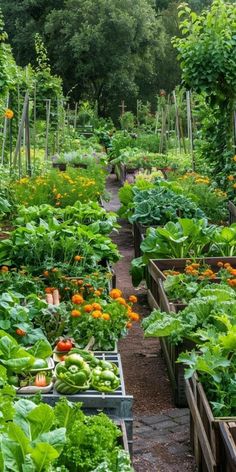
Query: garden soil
{"x":161,"y":443}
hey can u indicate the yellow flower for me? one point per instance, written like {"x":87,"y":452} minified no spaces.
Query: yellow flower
{"x":230,"y":178}
{"x":234,"y":158}
{"x":8,"y":114}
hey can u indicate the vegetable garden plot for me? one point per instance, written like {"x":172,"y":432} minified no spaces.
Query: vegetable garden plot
{"x":117,"y":405}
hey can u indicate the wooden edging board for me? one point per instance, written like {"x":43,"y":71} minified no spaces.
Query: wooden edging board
{"x":205,"y":429}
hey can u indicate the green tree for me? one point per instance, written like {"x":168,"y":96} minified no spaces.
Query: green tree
{"x":24,"y":18}
{"x":101,"y":45}
{"x":207,"y":53}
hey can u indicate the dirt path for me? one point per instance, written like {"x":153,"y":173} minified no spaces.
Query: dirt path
{"x":161,"y":432}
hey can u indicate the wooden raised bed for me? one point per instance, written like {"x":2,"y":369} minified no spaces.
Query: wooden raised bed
{"x":126,"y":171}
{"x":139,"y":232}
{"x":232,"y":213}
{"x":61,"y":167}
{"x":158,"y":299}
{"x":206,"y":431}
{"x":156,"y":277}
{"x":228,"y":436}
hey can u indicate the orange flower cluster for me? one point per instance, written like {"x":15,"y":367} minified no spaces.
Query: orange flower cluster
{"x":226,"y":272}
{"x":95,"y":309}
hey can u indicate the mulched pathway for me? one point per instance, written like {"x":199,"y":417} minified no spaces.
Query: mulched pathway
{"x":161,"y":431}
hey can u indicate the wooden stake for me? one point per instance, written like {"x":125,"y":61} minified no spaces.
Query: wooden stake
{"x":48,"y":109}
{"x":5,"y":131}
{"x":27,"y":140}
{"x":35,"y":117}
{"x":75,"y":117}
{"x":177,"y":120}
{"x":123,"y":107}
{"x":21,"y":129}
{"x":190,"y":131}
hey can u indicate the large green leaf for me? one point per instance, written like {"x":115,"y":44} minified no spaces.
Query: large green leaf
{"x":41,"y":349}
{"x":42,"y":455}
{"x":40,"y":420}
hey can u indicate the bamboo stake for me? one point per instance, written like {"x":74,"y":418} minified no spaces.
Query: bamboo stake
{"x":177,"y":120}
{"x":5,"y":130}
{"x":75,"y":117}
{"x":21,"y":129}
{"x":35,"y":117}
{"x":190,"y":131}
{"x":27,"y":140}
{"x":48,"y":110}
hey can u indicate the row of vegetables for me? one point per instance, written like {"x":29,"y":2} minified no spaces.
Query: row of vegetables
{"x":60,"y":313}
{"x":188,"y":258}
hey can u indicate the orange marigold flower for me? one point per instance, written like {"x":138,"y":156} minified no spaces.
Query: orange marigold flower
{"x":220,"y":264}
{"x":121,"y":301}
{"x":78,"y":258}
{"x":134,"y":316}
{"x":233,"y":272}
{"x":80,"y":282}
{"x":97,"y":293}
{"x":115,"y":293}
{"x":77,"y":299}
{"x":54,"y":269}
{"x":96,"y":314}
{"x":133,"y":299}
{"x":227,"y":265}
{"x":75,"y":313}
{"x":4,"y":269}
{"x":8,"y":114}
{"x":49,"y":289}
{"x":129,"y":325}
{"x":106,"y":316}
{"x":195,"y":265}
{"x":97,"y":306}
{"x":88,"y":308}
{"x":46,"y":273}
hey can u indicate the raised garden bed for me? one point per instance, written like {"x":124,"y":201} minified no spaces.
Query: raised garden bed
{"x":139,"y":232}
{"x":228,"y":436}
{"x":206,"y":431}
{"x":61,"y":167}
{"x":156,"y":277}
{"x":125,"y":172}
{"x":117,"y":405}
{"x":232,"y":213}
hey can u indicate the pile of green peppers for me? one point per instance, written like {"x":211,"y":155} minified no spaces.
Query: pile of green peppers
{"x":82,"y":370}
{"x":73,"y":375}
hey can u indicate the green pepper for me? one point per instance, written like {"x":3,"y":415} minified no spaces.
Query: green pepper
{"x":73,"y":375}
{"x":104,"y":380}
{"x":74,"y":359}
{"x":105,"y":365}
{"x":87,"y":356}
